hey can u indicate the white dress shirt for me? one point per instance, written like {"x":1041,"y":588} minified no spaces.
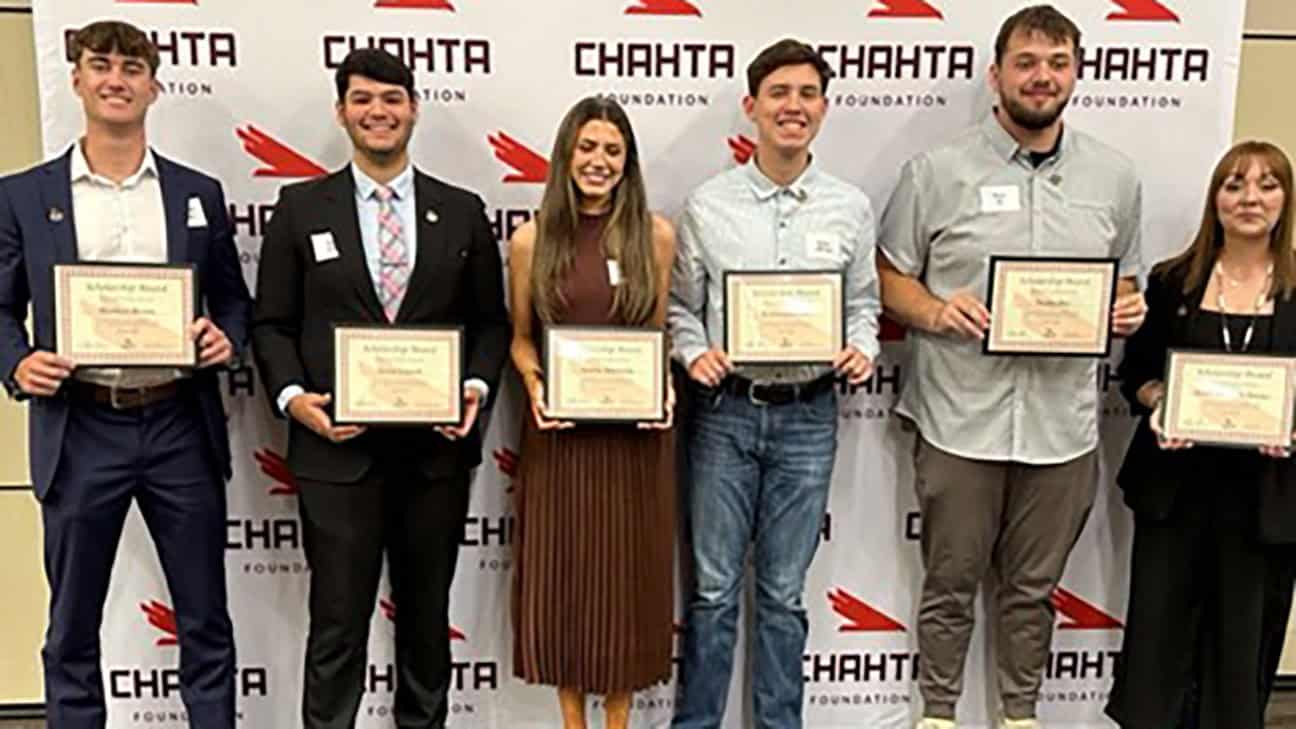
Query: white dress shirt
{"x":120,"y":223}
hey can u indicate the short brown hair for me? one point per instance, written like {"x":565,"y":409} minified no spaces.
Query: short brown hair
{"x":787,"y":52}
{"x":113,"y":36}
{"x":1043,"y":19}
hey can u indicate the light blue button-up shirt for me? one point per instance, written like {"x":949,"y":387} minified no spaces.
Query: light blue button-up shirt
{"x":402,"y":187}
{"x":740,"y":220}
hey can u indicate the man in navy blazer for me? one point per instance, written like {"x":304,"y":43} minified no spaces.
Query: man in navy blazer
{"x":100,"y":437}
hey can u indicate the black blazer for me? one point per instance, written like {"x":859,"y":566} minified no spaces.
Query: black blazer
{"x":1150,"y":477}
{"x":457,"y":279}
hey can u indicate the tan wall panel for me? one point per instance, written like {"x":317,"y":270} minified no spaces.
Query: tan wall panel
{"x":1271,"y":16}
{"x":20,"y":128}
{"x":25,"y":592}
{"x":25,"y":599}
{"x":1265,"y":104}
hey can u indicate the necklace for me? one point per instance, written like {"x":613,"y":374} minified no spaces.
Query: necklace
{"x":1261,"y":296}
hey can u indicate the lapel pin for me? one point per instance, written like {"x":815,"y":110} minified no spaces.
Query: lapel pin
{"x":431,"y":216}
{"x":55,"y":215}
{"x":1183,"y":310}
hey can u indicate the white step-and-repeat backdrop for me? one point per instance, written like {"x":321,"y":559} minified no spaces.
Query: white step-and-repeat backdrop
{"x":249,"y":98}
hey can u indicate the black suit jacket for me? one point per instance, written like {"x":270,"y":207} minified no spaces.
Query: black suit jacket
{"x":457,"y":279}
{"x":1151,"y":477}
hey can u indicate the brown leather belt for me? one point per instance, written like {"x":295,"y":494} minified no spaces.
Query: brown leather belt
{"x":123,"y":398}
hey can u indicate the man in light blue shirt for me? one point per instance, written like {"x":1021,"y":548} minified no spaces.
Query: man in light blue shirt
{"x":763,"y":438}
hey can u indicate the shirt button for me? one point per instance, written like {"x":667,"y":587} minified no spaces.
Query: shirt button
{"x":782,"y":223}
{"x":782,"y":261}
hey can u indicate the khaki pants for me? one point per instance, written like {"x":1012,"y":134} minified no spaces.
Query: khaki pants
{"x":1018,"y":520}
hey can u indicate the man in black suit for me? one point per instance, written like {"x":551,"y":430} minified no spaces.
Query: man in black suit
{"x":377,"y":242}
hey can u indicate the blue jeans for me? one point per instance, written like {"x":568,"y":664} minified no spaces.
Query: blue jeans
{"x":759,"y":476}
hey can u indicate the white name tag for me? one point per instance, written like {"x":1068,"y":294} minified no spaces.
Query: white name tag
{"x":197,"y":218}
{"x":614,"y":272}
{"x":822,"y":245}
{"x":325,"y":248}
{"x":1000,"y":199}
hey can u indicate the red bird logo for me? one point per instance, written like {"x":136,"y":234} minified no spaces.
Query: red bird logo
{"x":905,"y":9}
{"x":664,"y":7}
{"x":890,"y":330}
{"x":421,"y":4}
{"x":273,"y":465}
{"x":1142,"y":10}
{"x":388,"y":609}
{"x":527,"y":165}
{"x":860,"y":616}
{"x":280,"y":160}
{"x":742,"y":147}
{"x":506,"y":459}
{"x":1081,"y":615}
{"x":163,"y":618}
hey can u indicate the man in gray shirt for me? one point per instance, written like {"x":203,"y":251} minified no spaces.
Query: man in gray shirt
{"x":1005,"y":458}
{"x":763,"y":439}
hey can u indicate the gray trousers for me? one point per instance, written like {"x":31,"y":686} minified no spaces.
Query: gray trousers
{"x":1018,"y":520}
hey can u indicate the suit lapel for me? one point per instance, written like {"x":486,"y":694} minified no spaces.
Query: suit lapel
{"x":56,"y":198}
{"x":342,"y":221}
{"x":428,"y":237}
{"x":175,"y":201}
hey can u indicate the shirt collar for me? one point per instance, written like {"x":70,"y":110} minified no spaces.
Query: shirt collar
{"x":765,"y":188}
{"x":81,"y":168}
{"x":402,"y":185}
{"x":1007,"y":148}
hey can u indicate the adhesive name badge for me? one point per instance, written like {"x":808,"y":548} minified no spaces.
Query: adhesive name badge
{"x":325,"y":248}
{"x":197,"y":218}
{"x":1000,"y":199}
{"x":822,"y":245}
{"x":614,"y":272}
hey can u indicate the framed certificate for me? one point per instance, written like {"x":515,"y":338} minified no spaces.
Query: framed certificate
{"x":1054,"y":307}
{"x":1238,"y":400}
{"x":784,"y":318}
{"x":125,"y":315}
{"x":397,"y":375}
{"x":605,"y":374}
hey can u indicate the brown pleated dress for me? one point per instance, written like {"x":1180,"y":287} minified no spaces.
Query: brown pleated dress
{"x":593,"y":584}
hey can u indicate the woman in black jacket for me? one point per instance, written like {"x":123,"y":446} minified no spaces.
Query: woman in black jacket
{"x":1212,"y":567}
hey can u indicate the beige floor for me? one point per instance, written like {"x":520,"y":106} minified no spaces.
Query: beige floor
{"x":1282,"y":715}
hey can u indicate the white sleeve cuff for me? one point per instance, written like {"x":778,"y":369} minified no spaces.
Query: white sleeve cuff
{"x":286,"y":395}
{"x":480,"y":386}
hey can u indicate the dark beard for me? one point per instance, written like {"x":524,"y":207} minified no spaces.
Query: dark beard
{"x":1030,"y":119}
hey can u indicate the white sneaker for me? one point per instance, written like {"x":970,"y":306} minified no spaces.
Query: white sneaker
{"x":1020,"y":724}
{"x":929,"y":723}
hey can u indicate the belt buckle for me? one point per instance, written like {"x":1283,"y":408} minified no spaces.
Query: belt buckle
{"x":120,"y":398}
{"x":751,"y":394}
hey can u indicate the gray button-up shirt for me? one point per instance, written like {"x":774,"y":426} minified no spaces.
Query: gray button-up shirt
{"x":955,"y":206}
{"x":740,"y":220}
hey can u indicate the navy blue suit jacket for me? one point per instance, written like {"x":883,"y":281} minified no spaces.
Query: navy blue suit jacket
{"x":37,"y":231}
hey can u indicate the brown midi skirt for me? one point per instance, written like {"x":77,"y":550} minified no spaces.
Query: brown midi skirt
{"x":593,"y":594}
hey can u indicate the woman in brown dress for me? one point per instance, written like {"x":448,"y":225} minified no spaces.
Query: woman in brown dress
{"x":593,"y":593}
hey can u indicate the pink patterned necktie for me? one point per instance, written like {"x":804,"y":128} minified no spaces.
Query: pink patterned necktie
{"x":393,"y":255}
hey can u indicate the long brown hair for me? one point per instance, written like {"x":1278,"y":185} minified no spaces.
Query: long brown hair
{"x":627,"y":237}
{"x":1194,"y":265}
